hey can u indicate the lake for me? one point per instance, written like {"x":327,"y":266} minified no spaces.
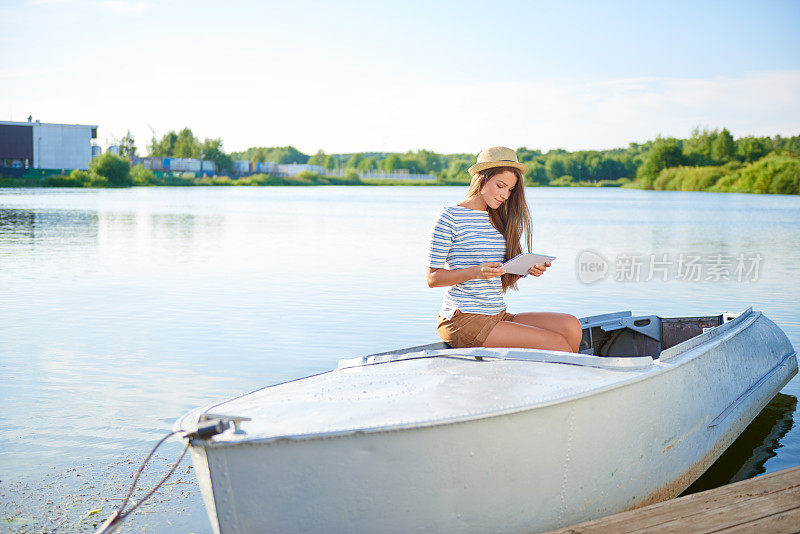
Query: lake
{"x":122,"y":309}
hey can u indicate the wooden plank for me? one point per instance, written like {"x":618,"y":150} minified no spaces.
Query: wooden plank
{"x":691,"y":504}
{"x":733,"y":513}
{"x":687,"y":509}
{"x":782,"y":523}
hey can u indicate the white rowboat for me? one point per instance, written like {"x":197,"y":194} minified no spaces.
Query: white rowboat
{"x":433,"y":439}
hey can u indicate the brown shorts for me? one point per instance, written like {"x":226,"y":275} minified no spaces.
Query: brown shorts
{"x":469,"y":329}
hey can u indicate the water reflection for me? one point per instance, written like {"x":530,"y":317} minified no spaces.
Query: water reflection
{"x":16,"y":222}
{"x":746,"y":456}
{"x":38,"y":225}
{"x":42,"y":226}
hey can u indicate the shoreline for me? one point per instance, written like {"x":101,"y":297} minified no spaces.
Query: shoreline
{"x":225,"y":181}
{"x":63,"y":181}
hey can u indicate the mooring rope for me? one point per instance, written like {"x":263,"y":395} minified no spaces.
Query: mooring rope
{"x":113,"y":523}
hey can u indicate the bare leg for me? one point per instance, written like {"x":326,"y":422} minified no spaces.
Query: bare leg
{"x":562,"y":323}
{"x":517,"y":335}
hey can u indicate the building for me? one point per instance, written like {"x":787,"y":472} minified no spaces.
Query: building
{"x":293,"y":169}
{"x":169,"y":165}
{"x":243,"y":168}
{"x":40,"y":145}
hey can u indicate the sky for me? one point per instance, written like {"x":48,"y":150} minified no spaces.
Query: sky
{"x":453,"y":77}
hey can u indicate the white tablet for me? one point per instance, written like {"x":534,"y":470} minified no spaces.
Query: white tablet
{"x":521,"y":263}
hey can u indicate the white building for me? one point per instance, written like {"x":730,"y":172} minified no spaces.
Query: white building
{"x":46,"y":146}
{"x":293,"y":169}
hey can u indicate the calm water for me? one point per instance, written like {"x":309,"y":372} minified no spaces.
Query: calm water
{"x":122,"y":309}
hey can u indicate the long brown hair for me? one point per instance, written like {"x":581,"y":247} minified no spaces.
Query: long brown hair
{"x":512,"y":218}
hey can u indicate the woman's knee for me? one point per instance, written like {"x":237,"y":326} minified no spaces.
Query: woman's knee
{"x":574,"y":326}
{"x":574,"y":331}
{"x":571,"y":329}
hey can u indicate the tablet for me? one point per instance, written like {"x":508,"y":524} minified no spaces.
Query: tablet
{"x":520,"y":264}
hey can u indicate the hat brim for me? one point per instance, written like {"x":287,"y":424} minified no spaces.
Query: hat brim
{"x":478,"y":167}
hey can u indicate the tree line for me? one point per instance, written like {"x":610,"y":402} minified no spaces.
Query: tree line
{"x":712,"y":160}
{"x":707,"y":160}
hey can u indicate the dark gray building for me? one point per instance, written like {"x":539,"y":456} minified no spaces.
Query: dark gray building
{"x":41,"y":145}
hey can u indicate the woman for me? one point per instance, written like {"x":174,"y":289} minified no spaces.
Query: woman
{"x":469,"y":243}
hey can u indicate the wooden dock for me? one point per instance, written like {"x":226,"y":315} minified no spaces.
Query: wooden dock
{"x":768,"y":503}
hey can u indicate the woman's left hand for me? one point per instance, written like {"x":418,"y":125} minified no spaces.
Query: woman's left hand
{"x":537,"y":270}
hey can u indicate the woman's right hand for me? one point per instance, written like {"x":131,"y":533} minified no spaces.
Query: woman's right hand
{"x":489,"y":269}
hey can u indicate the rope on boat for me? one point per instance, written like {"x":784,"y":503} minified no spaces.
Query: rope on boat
{"x":205,"y":431}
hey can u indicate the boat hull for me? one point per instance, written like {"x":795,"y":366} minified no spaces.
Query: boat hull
{"x":540,"y":468}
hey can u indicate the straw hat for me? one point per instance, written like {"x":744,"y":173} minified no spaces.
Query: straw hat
{"x":498,"y":156}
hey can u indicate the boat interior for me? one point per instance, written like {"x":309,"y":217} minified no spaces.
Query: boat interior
{"x":623,"y":335}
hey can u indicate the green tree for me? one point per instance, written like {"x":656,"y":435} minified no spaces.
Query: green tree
{"x":330,"y":163}
{"x":697,"y":149}
{"x":577,"y":165}
{"x":318,"y":158}
{"x":288,"y":154}
{"x":114,"y":168}
{"x":366,"y":164}
{"x":599,"y":167}
{"x":751,"y":148}
{"x":723,"y":148}
{"x":211,"y":150}
{"x":791,"y":145}
{"x":80,"y":177}
{"x":525,"y":155}
{"x":555,"y":166}
{"x":457,"y":169}
{"x":390,"y":163}
{"x":774,"y":173}
{"x":307,"y":176}
{"x":688,"y":178}
{"x":186,"y":145}
{"x":354,"y":160}
{"x":277,"y":154}
{"x":428,"y":161}
{"x":152,"y":145}
{"x":422,"y":161}
{"x":142,"y":176}
{"x":663,"y":154}
{"x":127,"y":147}
{"x":537,"y":173}
{"x":166,"y":147}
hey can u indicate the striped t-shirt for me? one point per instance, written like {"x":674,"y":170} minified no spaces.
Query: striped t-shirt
{"x":463,"y":237}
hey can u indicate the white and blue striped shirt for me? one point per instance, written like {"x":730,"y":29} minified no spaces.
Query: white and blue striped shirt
{"x":463,"y":237}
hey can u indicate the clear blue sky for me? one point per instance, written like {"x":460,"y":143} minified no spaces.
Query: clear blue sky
{"x":361,"y":76}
